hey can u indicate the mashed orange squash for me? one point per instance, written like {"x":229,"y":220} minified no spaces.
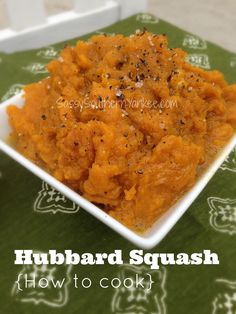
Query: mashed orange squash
{"x":126,"y":122}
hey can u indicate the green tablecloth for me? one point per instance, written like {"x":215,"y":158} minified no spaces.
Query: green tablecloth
{"x":34,"y":216}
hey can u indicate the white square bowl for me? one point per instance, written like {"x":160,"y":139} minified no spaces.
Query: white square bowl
{"x":160,"y":228}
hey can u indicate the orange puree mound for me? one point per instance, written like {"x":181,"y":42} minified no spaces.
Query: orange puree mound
{"x":126,"y":122}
